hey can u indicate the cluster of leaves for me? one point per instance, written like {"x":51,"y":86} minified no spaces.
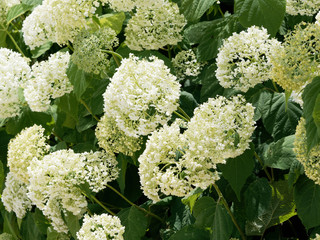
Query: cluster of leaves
{"x":265,"y":188}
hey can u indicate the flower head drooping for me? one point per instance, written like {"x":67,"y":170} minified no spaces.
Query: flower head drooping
{"x":220,"y":129}
{"x":14,"y":71}
{"x":243,"y":60}
{"x":14,"y":196}
{"x":49,"y":81}
{"x":28,"y":144}
{"x":141,"y":96}
{"x":296,"y":62}
{"x":114,"y":140}
{"x":88,"y":49}
{"x":302,"y":7}
{"x":186,"y":64}
{"x":311,"y":160}
{"x":101,"y":227}
{"x":57,"y":21}
{"x":164,"y":168}
{"x":155,"y":27}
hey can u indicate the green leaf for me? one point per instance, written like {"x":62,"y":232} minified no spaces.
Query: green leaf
{"x":191,"y":198}
{"x":280,"y":154}
{"x":10,"y":224}
{"x":222,"y":227}
{"x":122,"y":165}
{"x":17,"y":11}
{"x":69,"y":104}
{"x":204,"y":212}
{"x":187,"y":103}
{"x":310,"y":96}
{"x":259,"y":101}
{"x":281,"y":208}
{"x":266,"y":13}
{"x":38,"y":51}
{"x":53,"y":234}
{"x":194,"y":9}
{"x":3,"y":37}
{"x":209,"y":35}
{"x":278,"y":121}
{"x":34,"y":3}
{"x":237,"y":170}
{"x":190,"y":232}
{"x":306,"y":196}
{"x":41,"y":221}
{"x":2,"y":177}
{"x":27,"y":119}
{"x":257,"y":198}
{"x":316,"y":113}
{"x":113,"y":20}
{"x":72,"y":222}
{"x":29,"y":229}
{"x":134,"y":221}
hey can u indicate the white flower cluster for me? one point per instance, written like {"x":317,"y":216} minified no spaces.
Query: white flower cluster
{"x":243,"y":59}
{"x":114,"y":140}
{"x":5,"y":5}
{"x":49,"y":81}
{"x":296,"y":62}
{"x":302,"y":7}
{"x":121,"y":5}
{"x":141,"y":96}
{"x":316,"y":237}
{"x":154,"y":27}
{"x":54,"y":182}
{"x":186,"y":64}
{"x":175,"y":163}
{"x":14,"y":71}
{"x":318,"y":19}
{"x":311,"y":160}
{"x":88,"y":49}
{"x":57,"y":21}
{"x":28,"y":144}
{"x":14,"y":196}
{"x":101,"y":227}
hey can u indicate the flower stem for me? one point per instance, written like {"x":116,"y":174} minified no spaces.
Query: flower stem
{"x":12,"y":39}
{"x":224,"y":202}
{"x":89,"y":110}
{"x":263,"y":166}
{"x":275,"y":86}
{"x":103,"y":206}
{"x":179,"y":115}
{"x":132,"y":204}
{"x":184,"y":113}
{"x":115,"y":56}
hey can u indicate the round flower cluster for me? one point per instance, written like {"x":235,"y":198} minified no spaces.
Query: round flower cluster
{"x":57,"y":21}
{"x":29,"y":143}
{"x":296,"y":62}
{"x":310,"y":161}
{"x":88,"y":49}
{"x":49,"y":81}
{"x":141,"y":96}
{"x":114,"y":140}
{"x":186,"y":64}
{"x":164,"y":167}
{"x":101,"y":227}
{"x":155,"y":27}
{"x":5,"y":5}
{"x":220,"y":129}
{"x":14,"y":71}
{"x":14,"y":196}
{"x":302,"y":7}
{"x":243,"y":59}
{"x":128,"y":5}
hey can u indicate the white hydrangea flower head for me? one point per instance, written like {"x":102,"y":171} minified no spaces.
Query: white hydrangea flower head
{"x":14,"y":71}
{"x":141,"y":96}
{"x":243,"y":59}
{"x":155,"y":27}
{"x":129,"y":5}
{"x":318,"y":19}
{"x":53,"y":186}
{"x":164,"y":169}
{"x":302,"y":7}
{"x":28,"y":144}
{"x":114,"y":140}
{"x":317,"y":237}
{"x":186,"y":64}
{"x":49,"y":81}
{"x":101,"y":227}
{"x":311,"y":160}
{"x":5,"y":5}
{"x":88,"y":49}
{"x":57,"y":21}
{"x":14,"y":196}
{"x":296,"y":62}
{"x":99,"y":169}
{"x":220,"y":129}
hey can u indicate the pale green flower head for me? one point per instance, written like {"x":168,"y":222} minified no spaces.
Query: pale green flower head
{"x":6,"y":236}
{"x":302,"y":7}
{"x":88,"y":49}
{"x":101,"y":227}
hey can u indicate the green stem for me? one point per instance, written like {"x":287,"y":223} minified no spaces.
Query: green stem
{"x":89,"y":110}
{"x":219,"y":8}
{"x":70,"y":47}
{"x":275,"y":86}
{"x":104,"y":207}
{"x":115,"y":56}
{"x":263,"y":166}
{"x":184,"y":113}
{"x":169,"y":52}
{"x":132,"y":204}
{"x":224,"y":202}
{"x":179,"y":115}
{"x":13,"y":40}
